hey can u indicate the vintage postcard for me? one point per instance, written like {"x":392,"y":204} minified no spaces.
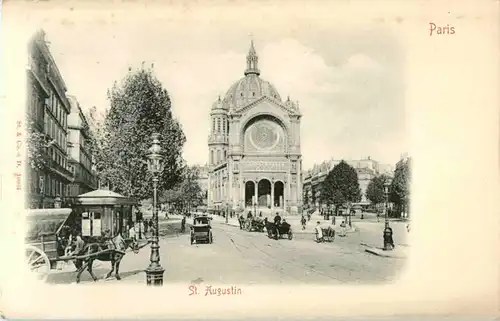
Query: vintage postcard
{"x":249,"y":159}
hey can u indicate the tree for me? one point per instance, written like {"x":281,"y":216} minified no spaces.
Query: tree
{"x":400,"y":186}
{"x":187,"y":193}
{"x":306,"y":198}
{"x":341,"y":186}
{"x":139,"y":107}
{"x":36,"y":143}
{"x":375,"y":190}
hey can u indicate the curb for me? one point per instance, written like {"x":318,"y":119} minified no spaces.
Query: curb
{"x":381,"y":254}
{"x":385,"y":255}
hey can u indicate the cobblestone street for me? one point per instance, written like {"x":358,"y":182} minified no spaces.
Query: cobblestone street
{"x":241,"y":257}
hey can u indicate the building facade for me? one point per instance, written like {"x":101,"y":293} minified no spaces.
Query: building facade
{"x":254,"y":147}
{"x":366,"y":169}
{"x":80,"y":156}
{"x":203,"y":179}
{"x":48,"y":110}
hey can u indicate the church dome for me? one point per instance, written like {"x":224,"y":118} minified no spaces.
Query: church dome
{"x":248,"y":89}
{"x":251,"y":87}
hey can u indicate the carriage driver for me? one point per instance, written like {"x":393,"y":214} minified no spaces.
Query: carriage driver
{"x":79,"y":245}
{"x":106,"y":235}
{"x":277,"y":219}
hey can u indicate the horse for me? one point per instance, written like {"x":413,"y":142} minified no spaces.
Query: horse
{"x":116,"y":248}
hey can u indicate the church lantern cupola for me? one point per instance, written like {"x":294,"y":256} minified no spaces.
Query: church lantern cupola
{"x":252,"y":61}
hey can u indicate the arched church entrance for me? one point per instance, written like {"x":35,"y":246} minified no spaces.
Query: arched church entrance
{"x":249,"y":193}
{"x":279,"y":189}
{"x":264,"y":192}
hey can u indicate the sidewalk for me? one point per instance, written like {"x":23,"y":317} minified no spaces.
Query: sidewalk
{"x":399,"y":252}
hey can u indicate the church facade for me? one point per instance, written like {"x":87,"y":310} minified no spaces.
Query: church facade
{"x":254,"y":147}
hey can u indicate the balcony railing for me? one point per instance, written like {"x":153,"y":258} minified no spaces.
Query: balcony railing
{"x":60,"y":169}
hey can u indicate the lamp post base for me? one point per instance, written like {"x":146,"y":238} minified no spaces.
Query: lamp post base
{"x":154,"y":275}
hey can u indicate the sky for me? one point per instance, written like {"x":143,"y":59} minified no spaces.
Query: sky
{"x":349,"y":81}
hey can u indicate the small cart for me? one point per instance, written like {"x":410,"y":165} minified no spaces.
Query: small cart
{"x":44,"y":242}
{"x":201,"y":230}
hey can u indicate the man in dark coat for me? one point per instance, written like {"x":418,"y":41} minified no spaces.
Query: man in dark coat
{"x":388,"y":240}
{"x":277,"y":219}
{"x":277,"y":223}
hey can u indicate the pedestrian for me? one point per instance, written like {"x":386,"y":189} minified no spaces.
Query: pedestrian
{"x":131,"y":233}
{"x":240,"y":220}
{"x":342,"y":229}
{"x":138,"y":230}
{"x":388,"y":240}
{"x":319,"y":232}
{"x":303,"y":222}
{"x":183,"y":224}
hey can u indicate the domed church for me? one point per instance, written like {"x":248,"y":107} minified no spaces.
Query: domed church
{"x":254,"y":147}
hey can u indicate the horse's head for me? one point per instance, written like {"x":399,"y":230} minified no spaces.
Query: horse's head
{"x":132,"y":244}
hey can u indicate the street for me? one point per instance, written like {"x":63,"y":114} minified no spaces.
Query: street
{"x":241,"y":257}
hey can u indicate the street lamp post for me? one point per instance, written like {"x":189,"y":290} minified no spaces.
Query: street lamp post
{"x":386,"y":192}
{"x":387,"y":234}
{"x":154,"y":272}
{"x":349,"y":209}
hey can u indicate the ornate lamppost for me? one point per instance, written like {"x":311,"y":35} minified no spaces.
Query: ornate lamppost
{"x":386,"y":194}
{"x":388,"y":237}
{"x":349,"y":207}
{"x":154,"y":272}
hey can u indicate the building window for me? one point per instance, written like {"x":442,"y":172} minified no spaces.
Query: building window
{"x":213,"y":124}
{"x":227,"y":126}
{"x":225,"y":154}
{"x":218,"y":156}
{"x":218,"y":124}
{"x":223,"y":126}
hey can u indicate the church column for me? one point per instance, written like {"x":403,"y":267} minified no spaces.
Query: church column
{"x":256,"y":192}
{"x":209,"y":192}
{"x":272,"y":195}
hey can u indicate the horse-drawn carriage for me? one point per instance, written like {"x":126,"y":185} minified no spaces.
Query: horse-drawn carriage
{"x":97,"y":221}
{"x":49,"y":242}
{"x":327,"y":235}
{"x":43,"y":242}
{"x":201,"y":230}
{"x":278,"y":231}
{"x":254,"y":224}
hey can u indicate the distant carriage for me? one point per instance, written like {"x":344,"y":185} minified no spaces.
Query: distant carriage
{"x":278,"y":232}
{"x":254,"y":224}
{"x":201,"y":230}
{"x":328,"y":235}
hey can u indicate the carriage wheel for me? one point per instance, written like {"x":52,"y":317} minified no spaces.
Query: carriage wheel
{"x":210,"y":238}
{"x":249,"y":226}
{"x":38,"y":262}
{"x":290,"y":235}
